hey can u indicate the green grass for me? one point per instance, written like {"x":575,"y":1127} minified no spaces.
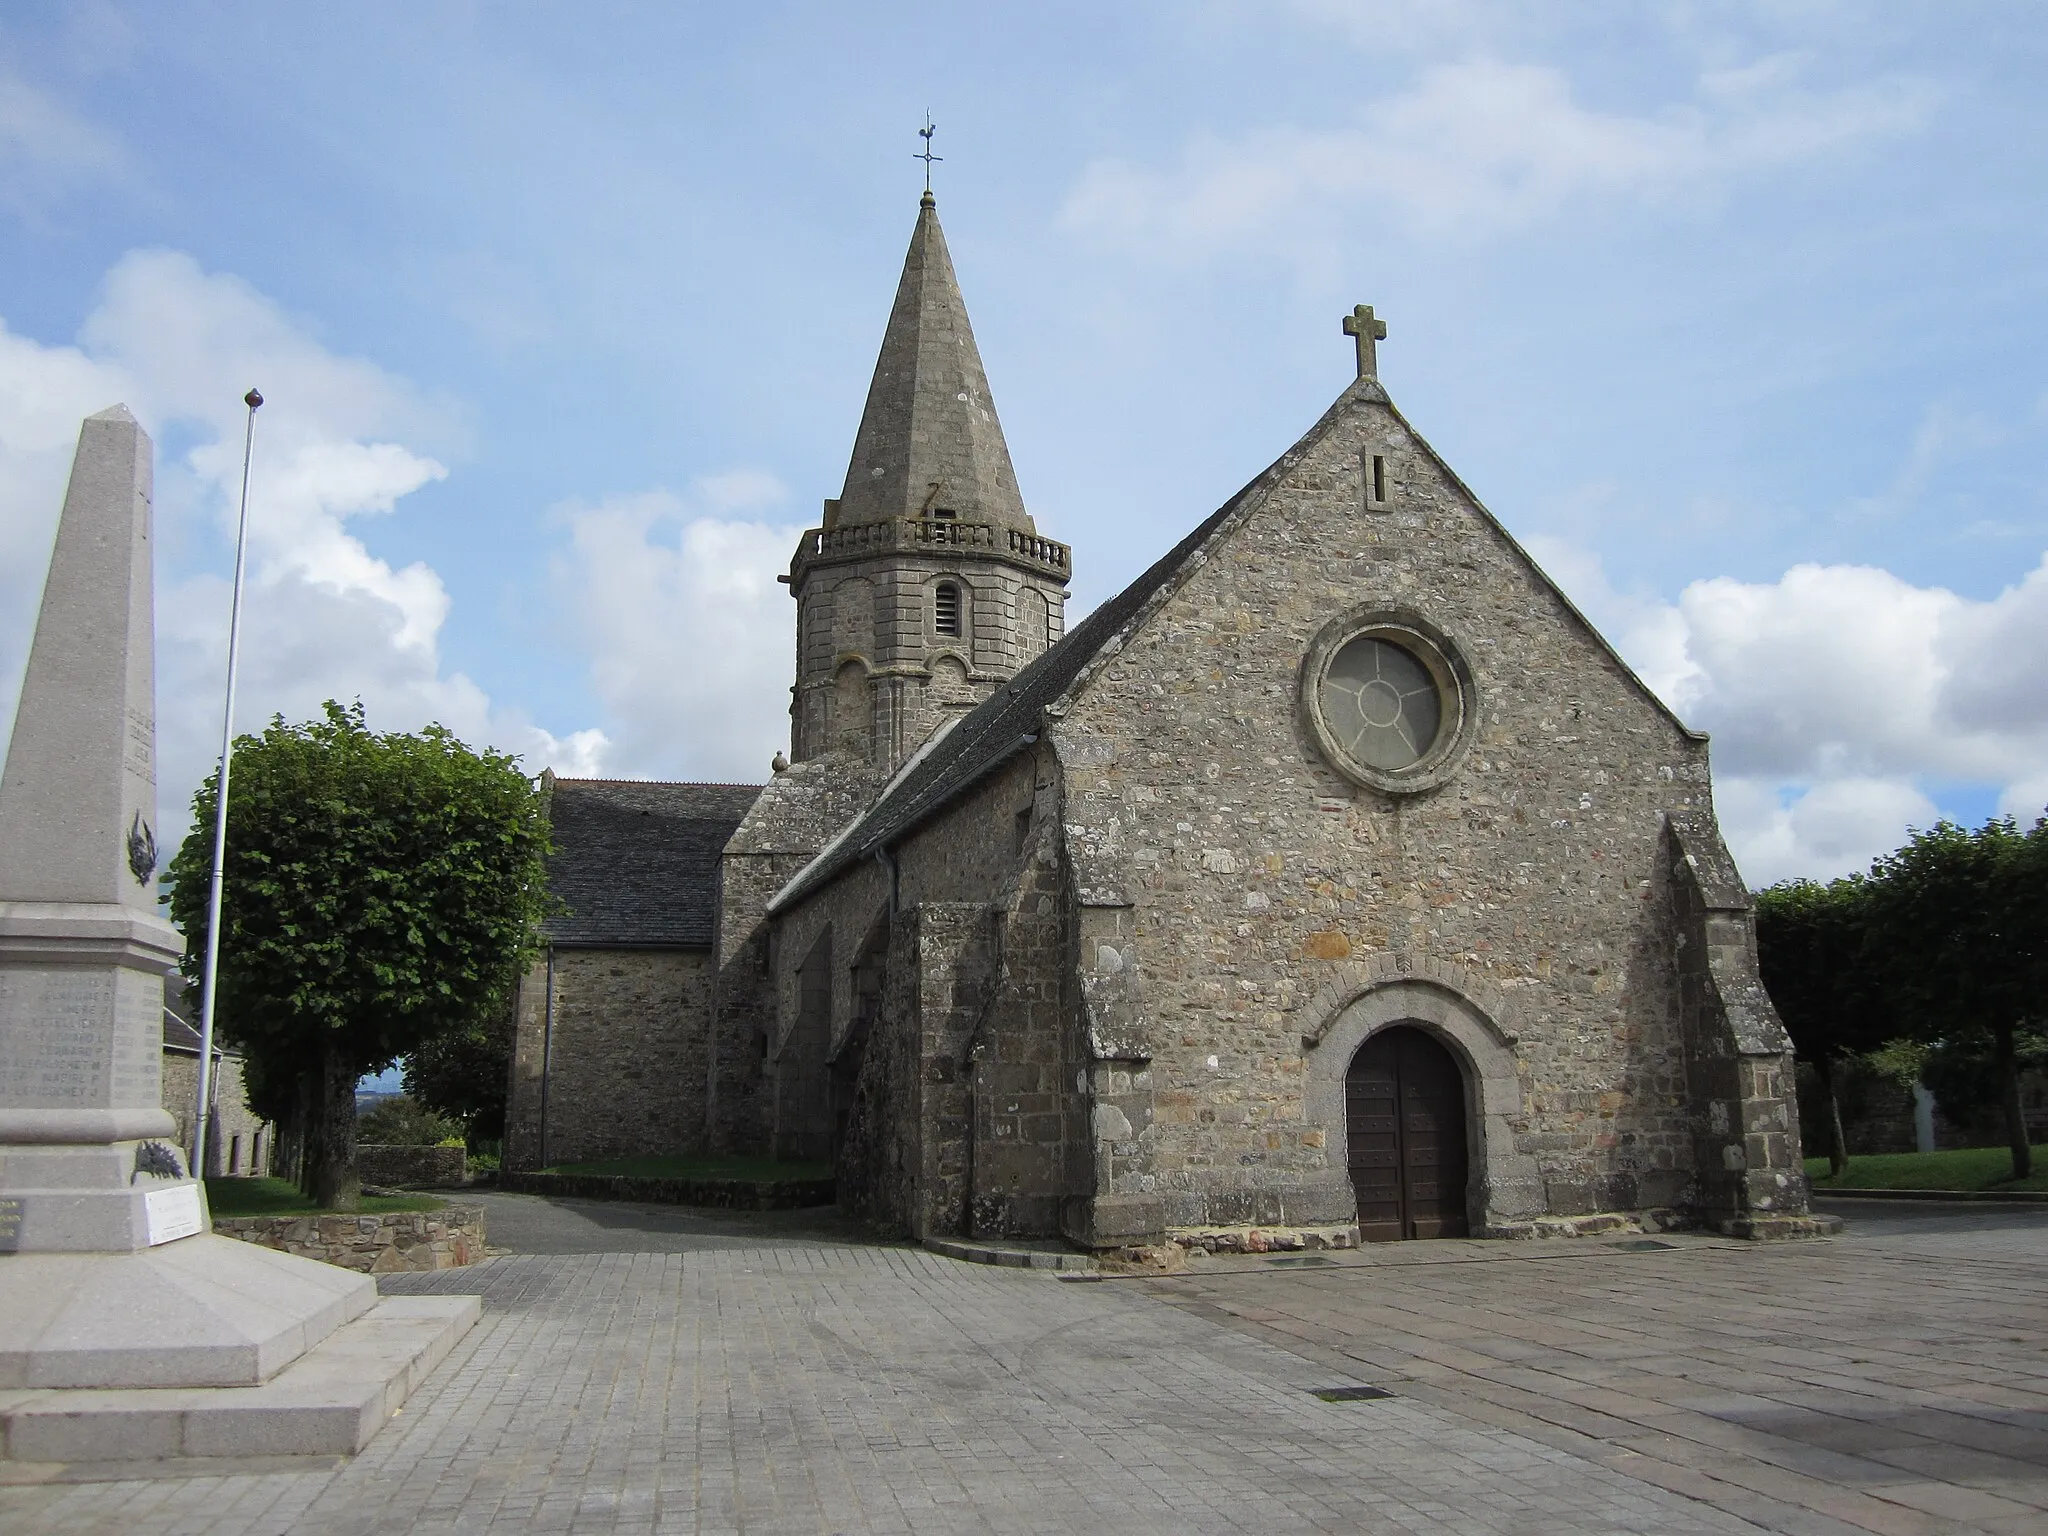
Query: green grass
{"x":1965,"y":1168}
{"x":750,"y":1170}
{"x":281,"y":1197}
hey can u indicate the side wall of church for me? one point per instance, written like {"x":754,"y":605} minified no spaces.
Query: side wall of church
{"x":1249,"y":879}
{"x":790,"y":821}
{"x":964,"y":1113}
{"x":617,"y":1067}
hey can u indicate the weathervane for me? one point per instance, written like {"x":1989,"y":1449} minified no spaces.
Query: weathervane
{"x":927,"y":157}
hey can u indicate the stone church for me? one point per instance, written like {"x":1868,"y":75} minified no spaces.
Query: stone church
{"x":1335,"y":880}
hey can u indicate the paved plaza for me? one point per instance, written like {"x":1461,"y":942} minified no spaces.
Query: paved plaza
{"x":648,"y":1371}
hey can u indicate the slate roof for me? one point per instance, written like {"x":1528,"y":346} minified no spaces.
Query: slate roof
{"x":636,"y":863}
{"x":928,"y":433}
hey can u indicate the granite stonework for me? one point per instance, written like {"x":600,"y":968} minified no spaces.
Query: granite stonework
{"x":1101,"y":966}
{"x":379,"y":1243}
{"x":412,"y":1167}
{"x":238,"y":1141}
{"x":612,"y":1026}
{"x":1103,"y":934}
{"x":83,"y":951}
{"x":610,"y":1055}
{"x":930,"y":502}
{"x":112,"y":1290}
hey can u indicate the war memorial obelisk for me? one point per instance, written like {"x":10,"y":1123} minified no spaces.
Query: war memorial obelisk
{"x":128,"y":1331}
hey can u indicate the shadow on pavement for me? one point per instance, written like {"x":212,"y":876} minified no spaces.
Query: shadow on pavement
{"x":544,"y":1224}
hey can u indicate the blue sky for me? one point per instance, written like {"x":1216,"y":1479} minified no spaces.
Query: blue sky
{"x":565,"y":315}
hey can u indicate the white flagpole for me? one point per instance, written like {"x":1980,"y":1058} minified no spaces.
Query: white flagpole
{"x":220,"y":813}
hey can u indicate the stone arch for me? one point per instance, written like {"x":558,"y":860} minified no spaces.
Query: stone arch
{"x":1505,"y":1185}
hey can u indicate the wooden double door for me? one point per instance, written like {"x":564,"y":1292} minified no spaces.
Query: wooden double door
{"x":1404,"y":1101}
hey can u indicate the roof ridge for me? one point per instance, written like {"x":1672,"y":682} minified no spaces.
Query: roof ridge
{"x":662,"y":783}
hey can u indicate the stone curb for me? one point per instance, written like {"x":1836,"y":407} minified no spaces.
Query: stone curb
{"x":1985,"y":1196}
{"x":971,"y":1252}
{"x":720,"y":1194}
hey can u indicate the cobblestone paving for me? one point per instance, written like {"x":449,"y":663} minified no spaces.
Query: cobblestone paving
{"x":822,"y":1389}
{"x":1894,"y":1380}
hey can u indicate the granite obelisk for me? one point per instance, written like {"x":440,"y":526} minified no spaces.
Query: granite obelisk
{"x":128,"y":1329}
{"x":84,"y":1165}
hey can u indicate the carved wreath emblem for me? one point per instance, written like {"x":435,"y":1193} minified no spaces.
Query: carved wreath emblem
{"x":158,"y":1161}
{"x":141,"y":850}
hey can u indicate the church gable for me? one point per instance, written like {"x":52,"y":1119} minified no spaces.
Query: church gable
{"x":1356,"y":739}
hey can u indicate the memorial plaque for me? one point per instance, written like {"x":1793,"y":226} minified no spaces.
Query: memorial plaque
{"x":173,"y":1213}
{"x":10,"y":1224}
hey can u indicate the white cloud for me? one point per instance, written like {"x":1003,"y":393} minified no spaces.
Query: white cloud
{"x":45,"y":146}
{"x":324,"y":617}
{"x":689,"y":631}
{"x":1837,"y":695}
{"x":1480,"y":145}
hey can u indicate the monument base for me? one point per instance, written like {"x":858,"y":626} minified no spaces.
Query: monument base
{"x":330,"y":1402}
{"x":204,"y":1311}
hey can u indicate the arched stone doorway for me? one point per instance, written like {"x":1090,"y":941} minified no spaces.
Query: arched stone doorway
{"x":1407,"y":1136}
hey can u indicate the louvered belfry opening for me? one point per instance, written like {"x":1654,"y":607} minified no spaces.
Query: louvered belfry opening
{"x":947,"y":603}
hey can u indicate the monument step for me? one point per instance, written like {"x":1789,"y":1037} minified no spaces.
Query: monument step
{"x":203,"y":1311}
{"x":329,"y":1402}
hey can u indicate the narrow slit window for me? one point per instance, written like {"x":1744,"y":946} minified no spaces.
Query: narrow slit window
{"x":1375,"y":482}
{"x":1023,"y":829}
{"x":948,"y":608}
{"x":945,"y":512}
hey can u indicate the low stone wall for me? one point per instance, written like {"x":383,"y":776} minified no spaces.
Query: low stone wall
{"x":412,"y":1167}
{"x":723,"y":1194}
{"x":375,"y":1243}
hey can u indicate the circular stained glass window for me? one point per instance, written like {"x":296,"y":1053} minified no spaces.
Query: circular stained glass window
{"x":1381,"y":704}
{"x":1389,"y":700}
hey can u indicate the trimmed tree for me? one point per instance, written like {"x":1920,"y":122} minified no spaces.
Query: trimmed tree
{"x":1960,"y":922}
{"x":1810,"y":946}
{"x":382,"y":892}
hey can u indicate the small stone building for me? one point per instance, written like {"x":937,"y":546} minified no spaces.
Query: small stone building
{"x":612,"y":1023}
{"x":238,"y":1141}
{"x":1334,"y":880}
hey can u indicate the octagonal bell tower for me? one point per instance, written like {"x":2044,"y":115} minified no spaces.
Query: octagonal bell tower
{"x":928,"y":584}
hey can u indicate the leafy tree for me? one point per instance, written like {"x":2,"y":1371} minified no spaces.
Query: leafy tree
{"x":401,"y":1121}
{"x":464,"y":1076}
{"x":382,"y":892}
{"x":1810,"y":944}
{"x":1960,"y":922}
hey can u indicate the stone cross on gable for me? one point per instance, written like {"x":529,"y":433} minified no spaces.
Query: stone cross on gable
{"x":1361,"y":324}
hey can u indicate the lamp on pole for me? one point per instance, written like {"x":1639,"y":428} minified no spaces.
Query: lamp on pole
{"x":211,"y":974}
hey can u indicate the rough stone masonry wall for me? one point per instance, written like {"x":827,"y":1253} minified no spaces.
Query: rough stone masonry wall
{"x":1241,"y":870}
{"x":391,"y":1243}
{"x":411,"y":1167}
{"x":238,"y":1143}
{"x":966,"y":1115}
{"x":879,"y":617}
{"x":791,"y":820}
{"x":625,"y":1074}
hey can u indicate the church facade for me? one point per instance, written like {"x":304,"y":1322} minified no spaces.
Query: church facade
{"x":1333,"y":881}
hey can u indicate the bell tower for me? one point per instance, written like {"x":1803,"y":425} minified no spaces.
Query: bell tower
{"x":927,"y":584}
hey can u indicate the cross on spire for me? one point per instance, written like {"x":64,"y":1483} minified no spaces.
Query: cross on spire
{"x":927,"y":156}
{"x":1367,"y":329}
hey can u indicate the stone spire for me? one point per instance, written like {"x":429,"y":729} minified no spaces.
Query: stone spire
{"x":929,"y":439}
{"x":78,"y":798}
